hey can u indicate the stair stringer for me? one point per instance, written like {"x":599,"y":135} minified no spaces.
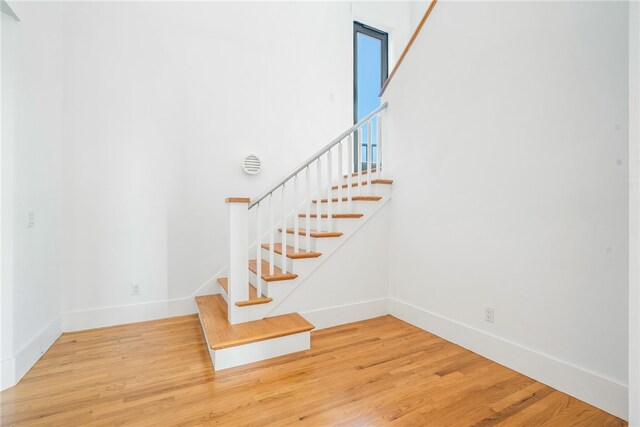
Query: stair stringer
{"x":280,"y":298}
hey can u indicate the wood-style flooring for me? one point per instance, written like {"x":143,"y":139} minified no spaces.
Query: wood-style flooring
{"x":376,"y":372}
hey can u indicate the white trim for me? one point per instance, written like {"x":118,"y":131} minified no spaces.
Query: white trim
{"x":5,"y":8}
{"x":14,"y":368}
{"x":261,"y":350}
{"x":595,"y":389}
{"x":100,"y":317}
{"x":634,"y":215}
{"x":7,"y":373}
{"x":396,"y":30}
{"x":347,"y":313}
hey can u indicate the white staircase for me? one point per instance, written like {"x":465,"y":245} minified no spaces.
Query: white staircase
{"x":321,"y":205}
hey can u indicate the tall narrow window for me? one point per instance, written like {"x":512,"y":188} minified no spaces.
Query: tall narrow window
{"x":370,"y":70}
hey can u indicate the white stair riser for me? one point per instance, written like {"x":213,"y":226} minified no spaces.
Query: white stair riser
{"x":223,"y":293}
{"x":258,"y":311}
{"x":277,"y":261}
{"x":268,"y":287}
{"x":279,"y":289}
{"x":324,"y":245}
{"x":302,"y":244}
{"x":292,"y":264}
{"x":335,"y":224}
{"x":365,"y":190}
{"x":261,"y":350}
{"x":362,"y":207}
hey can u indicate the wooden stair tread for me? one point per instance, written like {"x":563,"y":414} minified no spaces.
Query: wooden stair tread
{"x":220,"y":334}
{"x":335,"y":215}
{"x":317,"y":234}
{"x":354,"y":198}
{"x":373,"y":181}
{"x":254,"y":301}
{"x":291,"y":253}
{"x":277,"y":272}
{"x":253,"y":294}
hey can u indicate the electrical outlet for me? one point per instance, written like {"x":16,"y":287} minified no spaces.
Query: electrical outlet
{"x":488,"y":314}
{"x":135,"y":289}
{"x":31,"y":219}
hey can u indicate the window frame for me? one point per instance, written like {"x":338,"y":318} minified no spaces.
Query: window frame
{"x":359,"y":27}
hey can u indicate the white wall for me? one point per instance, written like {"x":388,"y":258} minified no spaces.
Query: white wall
{"x":126,"y":125}
{"x":418,"y":8}
{"x":634,"y":214}
{"x":508,"y":147}
{"x":31,"y":175}
{"x":7,"y":362}
{"x":162,"y":101}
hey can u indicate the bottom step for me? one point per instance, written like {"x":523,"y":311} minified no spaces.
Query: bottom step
{"x":234,"y":345}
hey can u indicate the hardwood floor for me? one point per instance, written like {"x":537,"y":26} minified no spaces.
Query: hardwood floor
{"x":380,"y":371}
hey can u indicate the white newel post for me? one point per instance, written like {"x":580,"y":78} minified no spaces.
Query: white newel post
{"x":238,"y":258}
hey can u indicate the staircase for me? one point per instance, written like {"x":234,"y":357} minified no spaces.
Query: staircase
{"x":306,"y":216}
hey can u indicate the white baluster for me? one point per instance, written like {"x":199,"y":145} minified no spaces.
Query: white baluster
{"x":349,"y":172}
{"x":359,"y":156}
{"x":296,"y":221}
{"x":379,"y":154}
{"x":329,"y":193}
{"x":340,"y":172}
{"x":272,"y":225}
{"x":258,"y":253}
{"x":308,"y":199}
{"x":318,"y":198}
{"x":369,"y":153}
{"x":283,"y":261}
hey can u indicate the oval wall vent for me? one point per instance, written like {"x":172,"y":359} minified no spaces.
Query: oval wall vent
{"x":251,"y":164}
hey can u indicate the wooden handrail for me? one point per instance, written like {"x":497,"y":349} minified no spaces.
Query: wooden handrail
{"x":408,"y":46}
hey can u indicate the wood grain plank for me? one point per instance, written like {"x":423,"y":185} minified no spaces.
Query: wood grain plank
{"x":354,"y":198}
{"x":363,"y":183}
{"x":253,"y":294}
{"x":237,"y":200}
{"x":335,"y":215}
{"x":291,"y":253}
{"x":381,"y":371}
{"x":314,"y":233}
{"x":220,"y":334}
{"x":277,"y":272}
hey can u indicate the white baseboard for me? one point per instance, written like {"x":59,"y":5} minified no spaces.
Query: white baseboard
{"x":117,"y":315}
{"x":604,"y":393}
{"x":14,"y":368}
{"x":347,"y":313}
{"x":7,"y":373}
